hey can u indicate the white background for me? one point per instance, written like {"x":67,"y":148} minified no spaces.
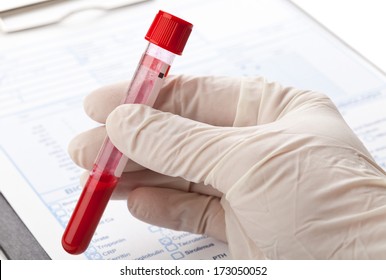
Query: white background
{"x":360,"y":23}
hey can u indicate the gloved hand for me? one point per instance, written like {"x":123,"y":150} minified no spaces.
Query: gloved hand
{"x":275,"y":172}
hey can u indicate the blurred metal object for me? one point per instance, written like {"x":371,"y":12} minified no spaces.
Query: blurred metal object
{"x":49,"y":12}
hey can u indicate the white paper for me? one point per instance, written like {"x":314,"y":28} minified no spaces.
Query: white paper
{"x":45,"y":75}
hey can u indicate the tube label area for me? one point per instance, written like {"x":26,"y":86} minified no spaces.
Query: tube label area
{"x":158,"y":84}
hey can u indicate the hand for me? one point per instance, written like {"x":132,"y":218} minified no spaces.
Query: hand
{"x":275,"y":172}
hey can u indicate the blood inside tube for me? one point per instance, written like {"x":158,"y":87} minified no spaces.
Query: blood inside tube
{"x":88,"y":212}
{"x":97,"y":191}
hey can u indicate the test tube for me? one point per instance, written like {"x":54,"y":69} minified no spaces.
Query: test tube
{"x":167,"y":37}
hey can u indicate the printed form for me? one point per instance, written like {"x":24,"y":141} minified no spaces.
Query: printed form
{"x":45,"y":76}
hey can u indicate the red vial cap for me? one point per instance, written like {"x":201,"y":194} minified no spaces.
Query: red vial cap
{"x":169,"y":32}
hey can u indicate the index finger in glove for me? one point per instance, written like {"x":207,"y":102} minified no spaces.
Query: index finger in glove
{"x":219,"y":101}
{"x":210,"y":100}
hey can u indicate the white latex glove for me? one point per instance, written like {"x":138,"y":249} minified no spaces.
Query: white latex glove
{"x":291,"y":179}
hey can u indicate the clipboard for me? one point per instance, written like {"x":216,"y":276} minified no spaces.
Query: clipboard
{"x":15,"y":237}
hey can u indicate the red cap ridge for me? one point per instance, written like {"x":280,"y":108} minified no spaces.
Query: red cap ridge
{"x":169,"y":32}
